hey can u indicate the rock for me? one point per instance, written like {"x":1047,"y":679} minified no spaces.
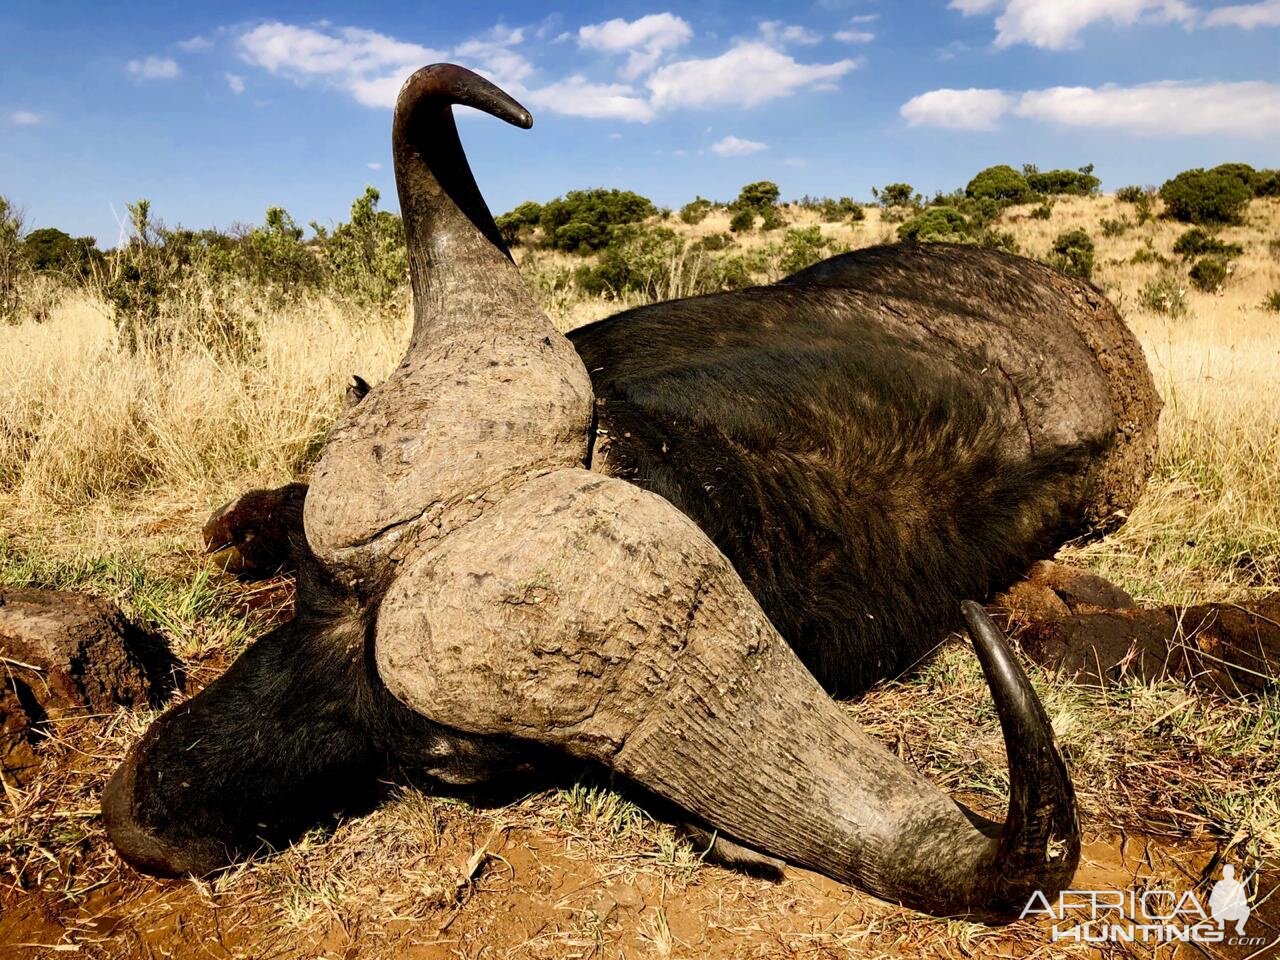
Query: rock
{"x":251,"y":536}
{"x":62,"y":653}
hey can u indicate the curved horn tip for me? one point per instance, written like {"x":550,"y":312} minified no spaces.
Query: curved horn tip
{"x":455,"y":84}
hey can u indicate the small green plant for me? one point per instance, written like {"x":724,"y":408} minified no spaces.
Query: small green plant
{"x":1000,"y":183}
{"x":695,"y":211}
{"x":1114,"y":228}
{"x":1149,"y":254}
{"x":1206,"y":196}
{"x":743,"y":221}
{"x":857,"y":214}
{"x":637,"y":259}
{"x":833,"y":211}
{"x":50,"y":250}
{"x":1164,"y":294}
{"x":934,"y":224}
{"x":757,"y":196}
{"x":1271,"y":301}
{"x":366,"y":256}
{"x":581,"y":220}
{"x":1131,"y":194}
{"x":1072,"y":252}
{"x":1043,"y":212}
{"x":517,"y":226}
{"x":1198,"y":242}
{"x":1075,"y":183}
{"x":13,"y":265}
{"x":713,"y":243}
{"x":770,"y":218}
{"x":802,"y":248}
{"x":1209,"y":274}
{"x":896,"y":195}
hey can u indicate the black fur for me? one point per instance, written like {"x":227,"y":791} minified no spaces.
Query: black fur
{"x":855,"y":479}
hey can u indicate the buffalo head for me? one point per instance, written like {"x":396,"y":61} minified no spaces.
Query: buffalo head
{"x":476,"y":595}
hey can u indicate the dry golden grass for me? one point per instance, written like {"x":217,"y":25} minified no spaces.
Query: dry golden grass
{"x":109,"y":461}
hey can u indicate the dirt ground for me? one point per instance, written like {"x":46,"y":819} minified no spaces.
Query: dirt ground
{"x":573,"y":872}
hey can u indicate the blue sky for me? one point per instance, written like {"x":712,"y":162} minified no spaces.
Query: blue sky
{"x":215,"y":112}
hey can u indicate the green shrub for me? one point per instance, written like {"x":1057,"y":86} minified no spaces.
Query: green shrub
{"x":517,"y":225}
{"x":581,"y":220}
{"x":367,"y":261}
{"x":1204,"y":196}
{"x":732,"y":273}
{"x":636,"y":259}
{"x":802,"y":248}
{"x":50,"y":250}
{"x":1267,"y":183}
{"x":713,"y":243}
{"x":695,"y":211}
{"x":743,"y":221}
{"x":1072,"y":252}
{"x":1000,"y":183}
{"x":757,"y":196}
{"x":1198,"y":242}
{"x":1272,"y":301}
{"x":934,"y":224}
{"x":1240,"y":171}
{"x":1164,"y":294}
{"x":274,"y":260}
{"x":14,"y":266}
{"x":896,"y":195}
{"x":1075,"y":183}
{"x":1042,"y":212}
{"x":1149,"y":254}
{"x":1131,"y":194}
{"x":999,"y":239}
{"x":857,"y":214}
{"x":168,"y":285}
{"x":1114,"y":228}
{"x":833,"y":211}
{"x":1209,"y":274}
{"x":770,"y":218}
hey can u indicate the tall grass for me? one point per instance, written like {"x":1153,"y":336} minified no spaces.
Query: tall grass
{"x":83,"y":419}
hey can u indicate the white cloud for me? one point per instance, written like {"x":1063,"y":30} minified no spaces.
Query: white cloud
{"x":972,"y":109}
{"x":737,"y":147}
{"x":746,"y":75}
{"x":1169,"y":108}
{"x":235,"y":82}
{"x":1246,"y":16}
{"x":578,"y":97}
{"x":1056,"y":24}
{"x":777,"y":32}
{"x":25,"y":118}
{"x":154,"y":68}
{"x":195,"y":45}
{"x":644,"y":40}
{"x":492,"y":55}
{"x":374,"y":166}
{"x":371,"y":67}
{"x":854,"y":36}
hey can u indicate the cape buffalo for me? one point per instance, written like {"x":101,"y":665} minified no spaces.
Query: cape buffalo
{"x":520,"y":548}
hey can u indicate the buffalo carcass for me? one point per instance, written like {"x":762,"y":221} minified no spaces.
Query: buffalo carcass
{"x":509,"y":561}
